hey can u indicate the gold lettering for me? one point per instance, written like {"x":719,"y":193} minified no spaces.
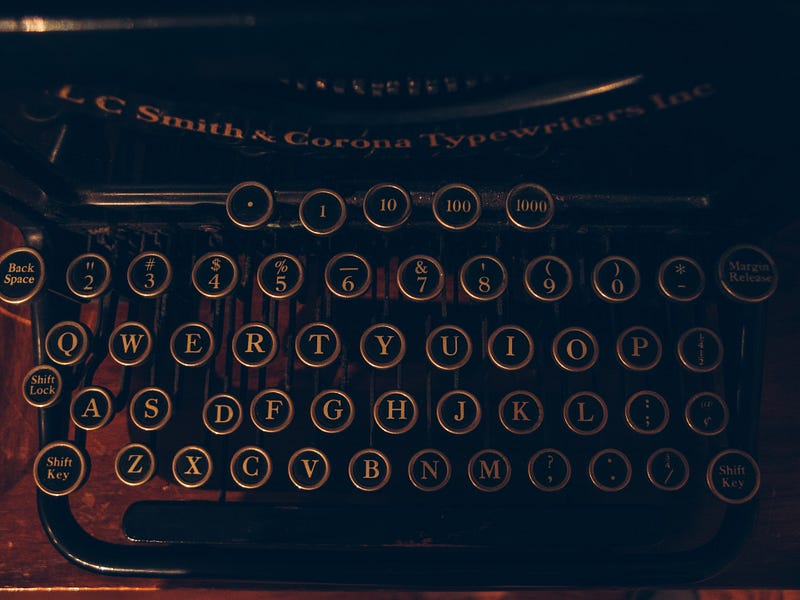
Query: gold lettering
{"x":91,"y":407}
{"x":228,"y":413}
{"x":296,"y":138}
{"x":461,"y":415}
{"x":492,"y":472}
{"x":519,"y":410}
{"x":432,"y":469}
{"x":104,"y":103}
{"x":336,"y":413}
{"x":639,"y":343}
{"x":245,"y":468}
{"x":61,"y":346}
{"x":582,"y":413}
{"x":584,"y":349}
{"x":273,"y":407}
{"x":510,"y":347}
{"x":134,"y":460}
{"x":130,"y":341}
{"x":371,"y":470}
{"x":148,"y":114}
{"x":151,"y":408}
{"x":318,"y":337}
{"x":192,"y":339}
{"x":391,"y":409}
{"x":384,"y":343}
{"x":445,"y":343}
{"x":309,"y":465}
{"x":254,"y":342}
{"x":193,"y":460}
{"x":65,"y":94}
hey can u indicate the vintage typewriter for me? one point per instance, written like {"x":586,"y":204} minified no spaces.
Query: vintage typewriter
{"x":467,"y":330}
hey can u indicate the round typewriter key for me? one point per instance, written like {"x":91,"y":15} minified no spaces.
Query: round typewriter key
{"x":420,"y":278}
{"x":192,"y":466}
{"x":215,"y":275}
{"x":348,"y":275}
{"x":529,"y":206}
{"x":309,"y":469}
{"x":135,"y":464}
{"x":130,"y":344}
{"x":317,"y":344}
{"x":150,"y":409}
{"x":395,"y":412}
{"x":88,"y":275}
{"x":271,"y":410}
{"x":483,"y":277}
{"x":616,"y":279}
{"x":668,"y":469}
{"x":222,"y":414}
{"x":639,"y":348}
{"x":280,"y":275}
{"x":332,"y":411}
{"x":21,"y":275}
{"x":548,"y":278}
{"x":575,"y":349}
{"x":585,"y":413}
{"x":646,"y":412}
{"x":322,"y":212}
{"x":249,"y":204}
{"x":254,"y":345}
{"x":520,"y":412}
{"x":192,"y":344}
{"x":549,"y":470}
{"x":250,"y":467}
{"x":456,"y":206}
{"x":747,"y":274}
{"x":41,"y":386}
{"x":706,"y":413}
{"x":60,"y":468}
{"x":383,"y":346}
{"x":489,"y":470}
{"x":429,"y":470}
{"x":510,"y":347}
{"x":733,"y":476}
{"x":700,"y":350}
{"x":680,"y":278}
{"x":149,"y":274}
{"x":387,"y":206}
{"x":448,"y":347}
{"x":458,"y":412}
{"x":610,"y":470}
{"x":369,"y":470}
{"x":91,"y":408}
{"x":67,"y":343}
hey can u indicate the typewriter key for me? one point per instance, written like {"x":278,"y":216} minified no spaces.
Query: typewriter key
{"x":149,"y":274}
{"x":448,"y":347}
{"x":250,"y":467}
{"x":680,"y":278}
{"x":429,"y":470}
{"x":610,"y":470}
{"x":483,"y":277}
{"x":332,"y":411}
{"x":387,"y":206}
{"x":348,"y":275}
{"x":21,"y":275}
{"x":135,"y":464}
{"x":88,"y":275}
{"x":575,"y":349}
{"x":585,"y":413}
{"x":548,"y":278}
{"x":456,"y":207}
{"x":317,"y":344}
{"x":67,"y":343}
{"x":41,"y":386}
{"x":150,"y":409}
{"x":668,"y":469}
{"x":458,"y":412}
{"x":271,"y":410}
{"x":383,"y":346}
{"x":520,"y":412}
{"x":616,"y":279}
{"x":91,"y":408}
{"x":549,"y":470}
{"x":510,"y":347}
{"x":322,"y":212}
{"x":369,"y":470}
{"x":254,"y":345}
{"x":130,"y":344}
{"x":647,"y":412}
{"x":222,"y":414}
{"x":395,"y":412}
{"x":747,"y":274}
{"x":529,"y":207}
{"x":489,"y":470}
{"x":733,"y":476}
{"x":309,"y":469}
{"x":192,"y":466}
{"x":60,"y":468}
{"x":420,"y":278}
{"x":700,"y":350}
{"x":249,"y":204}
{"x":639,"y":348}
{"x":280,"y":275}
{"x":706,"y":413}
{"x":215,"y":275}
{"x":192,"y":344}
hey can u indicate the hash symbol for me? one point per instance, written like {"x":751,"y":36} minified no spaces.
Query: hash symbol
{"x":150,"y":263}
{"x":680,"y":269}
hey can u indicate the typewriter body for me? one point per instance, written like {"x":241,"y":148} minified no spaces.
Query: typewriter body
{"x":462,"y":330}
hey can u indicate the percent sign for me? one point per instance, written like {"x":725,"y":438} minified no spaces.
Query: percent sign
{"x":281,"y":265}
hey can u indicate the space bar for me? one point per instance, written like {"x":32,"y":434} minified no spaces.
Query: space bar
{"x":252,"y":523}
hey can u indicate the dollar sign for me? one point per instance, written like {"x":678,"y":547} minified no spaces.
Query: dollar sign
{"x":216,"y":265}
